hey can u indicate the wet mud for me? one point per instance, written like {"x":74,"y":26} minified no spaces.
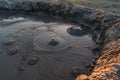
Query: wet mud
{"x":42,"y":47}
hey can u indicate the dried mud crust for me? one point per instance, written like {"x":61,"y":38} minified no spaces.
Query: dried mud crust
{"x":108,"y":64}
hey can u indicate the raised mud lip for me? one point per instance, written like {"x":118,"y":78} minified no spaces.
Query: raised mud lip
{"x":105,"y":27}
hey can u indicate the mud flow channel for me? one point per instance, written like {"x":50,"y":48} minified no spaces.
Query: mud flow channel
{"x":36,"y":47}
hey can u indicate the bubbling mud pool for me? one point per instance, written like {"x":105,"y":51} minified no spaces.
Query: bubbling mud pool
{"x":41,"y":49}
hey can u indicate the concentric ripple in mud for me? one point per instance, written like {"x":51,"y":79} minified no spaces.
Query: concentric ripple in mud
{"x":41,"y":41}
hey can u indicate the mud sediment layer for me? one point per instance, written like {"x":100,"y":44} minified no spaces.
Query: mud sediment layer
{"x":105,"y":29}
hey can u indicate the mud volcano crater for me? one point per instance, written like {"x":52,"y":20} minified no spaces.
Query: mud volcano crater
{"x":75,"y":31}
{"x":38,"y":46}
{"x":53,"y":42}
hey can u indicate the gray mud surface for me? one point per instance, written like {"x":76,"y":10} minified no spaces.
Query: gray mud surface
{"x":26,"y":55}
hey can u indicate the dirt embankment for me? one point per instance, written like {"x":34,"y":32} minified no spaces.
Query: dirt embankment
{"x":108,"y":64}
